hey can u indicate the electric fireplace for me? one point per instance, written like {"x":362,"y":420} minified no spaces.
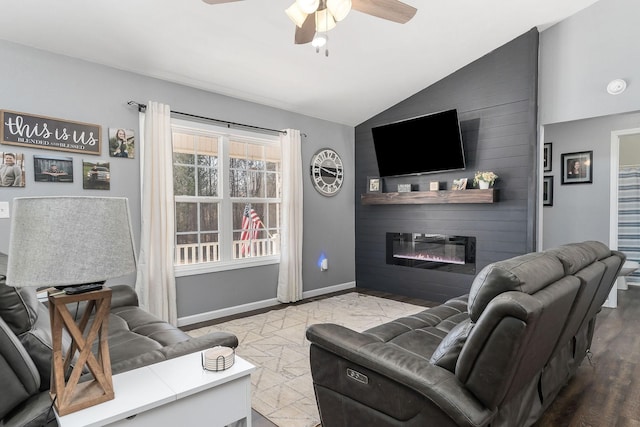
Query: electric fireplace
{"x":443,"y":252}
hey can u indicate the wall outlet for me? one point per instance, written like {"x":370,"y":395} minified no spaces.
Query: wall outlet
{"x":4,"y":209}
{"x":324,"y":265}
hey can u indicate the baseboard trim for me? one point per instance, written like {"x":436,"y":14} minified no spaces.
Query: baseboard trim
{"x":257,"y":305}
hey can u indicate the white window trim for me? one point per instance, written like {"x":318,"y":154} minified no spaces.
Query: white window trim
{"x":226,"y":224}
{"x":213,"y":267}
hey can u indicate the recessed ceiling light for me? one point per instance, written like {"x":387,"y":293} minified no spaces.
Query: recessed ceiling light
{"x":616,"y":87}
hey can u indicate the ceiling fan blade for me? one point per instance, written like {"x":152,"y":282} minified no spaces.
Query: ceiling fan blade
{"x":392,"y":10}
{"x":305,"y":33}
{"x":219,"y":1}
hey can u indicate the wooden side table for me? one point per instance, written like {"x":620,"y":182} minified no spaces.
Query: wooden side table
{"x":69,"y":395}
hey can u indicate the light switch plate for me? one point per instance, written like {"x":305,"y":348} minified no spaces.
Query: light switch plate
{"x":4,"y":209}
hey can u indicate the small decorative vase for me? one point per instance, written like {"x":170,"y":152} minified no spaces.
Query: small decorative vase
{"x":484,"y":185}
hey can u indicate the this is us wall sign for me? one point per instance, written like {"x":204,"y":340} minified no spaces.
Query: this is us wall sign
{"x":30,"y":130}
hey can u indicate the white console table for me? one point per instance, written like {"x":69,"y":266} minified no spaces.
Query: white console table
{"x":174,"y":392}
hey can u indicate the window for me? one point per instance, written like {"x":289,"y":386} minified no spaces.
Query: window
{"x":227,"y":191}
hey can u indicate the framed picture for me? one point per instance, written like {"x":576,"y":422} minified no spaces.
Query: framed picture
{"x":374,"y":185}
{"x":96,"y":175}
{"x":31,"y":130}
{"x":577,"y":168}
{"x":547,"y":191}
{"x":459,"y":184}
{"x":546,"y":157}
{"x":122,"y":143}
{"x":53,"y":169}
{"x":11,"y":169}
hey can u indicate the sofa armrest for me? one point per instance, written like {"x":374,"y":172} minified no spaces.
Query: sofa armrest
{"x":182,"y":348}
{"x":439,"y":386}
{"x":204,"y":342}
{"x":123,"y":295}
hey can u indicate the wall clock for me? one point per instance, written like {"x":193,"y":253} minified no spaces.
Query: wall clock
{"x":327,"y":173}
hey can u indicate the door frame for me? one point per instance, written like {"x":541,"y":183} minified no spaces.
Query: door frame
{"x":612,"y":300}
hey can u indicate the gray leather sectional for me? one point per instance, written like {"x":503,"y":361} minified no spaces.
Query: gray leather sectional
{"x":135,"y":337}
{"x":495,"y":357}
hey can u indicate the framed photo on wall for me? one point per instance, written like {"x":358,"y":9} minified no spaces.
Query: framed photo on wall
{"x":547,"y":191}
{"x":546,"y":157}
{"x":96,"y":175}
{"x":12,"y":172}
{"x":53,"y":168}
{"x":374,"y":185}
{"x":577,"y":168}
{"x":122,"y":143}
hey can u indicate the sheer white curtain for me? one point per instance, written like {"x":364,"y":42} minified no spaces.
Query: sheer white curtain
{"x":155,"y":284}
{"x":290,"y":275}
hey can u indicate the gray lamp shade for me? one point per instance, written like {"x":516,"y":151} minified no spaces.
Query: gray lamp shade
{"x":65,"y":241}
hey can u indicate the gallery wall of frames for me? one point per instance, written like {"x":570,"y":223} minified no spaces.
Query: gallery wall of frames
{"x":63,"y":142}
{"x":576,"y":168}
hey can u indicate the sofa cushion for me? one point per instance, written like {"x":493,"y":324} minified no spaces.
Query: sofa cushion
{"x":573,"y":256}
{"x":18,"y":306}
{"x":446,"y":355}
{"x":525,"y":273}
{"x":29,"y":319}
{"x":20,"y":378}
{"x":421,"y":333}
{"x":600,"y":249}
{"x":143,"y":323}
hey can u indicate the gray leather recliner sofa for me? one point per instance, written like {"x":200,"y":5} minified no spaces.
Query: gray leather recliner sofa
{"x":495,"y":357}
{"x":135,"y":338}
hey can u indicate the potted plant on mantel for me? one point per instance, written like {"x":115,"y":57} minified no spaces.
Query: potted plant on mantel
{"x":484,"y":180}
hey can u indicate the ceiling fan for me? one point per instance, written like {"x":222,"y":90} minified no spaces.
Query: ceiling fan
{"x":313,"y":17}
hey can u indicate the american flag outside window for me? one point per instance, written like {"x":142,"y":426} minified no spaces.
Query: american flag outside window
{"x":250,"y":225}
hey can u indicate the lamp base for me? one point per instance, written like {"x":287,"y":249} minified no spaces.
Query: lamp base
{"x":69,"y":394}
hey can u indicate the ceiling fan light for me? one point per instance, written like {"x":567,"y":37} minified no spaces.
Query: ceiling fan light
{"x":296,"y":14}
{"x":308,"y":6}
{"x":319,"y":40}
{"x":339,"y":8}
{"x":324,"y":21}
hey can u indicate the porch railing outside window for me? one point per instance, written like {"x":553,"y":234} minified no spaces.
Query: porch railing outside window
{"x":210,"y":252}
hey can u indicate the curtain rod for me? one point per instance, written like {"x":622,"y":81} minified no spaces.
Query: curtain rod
{"x":143,"y":107}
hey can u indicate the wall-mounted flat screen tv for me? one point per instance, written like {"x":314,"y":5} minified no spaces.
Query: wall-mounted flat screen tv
{"x":425,"y":144}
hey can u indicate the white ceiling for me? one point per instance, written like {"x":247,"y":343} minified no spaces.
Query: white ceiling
{"x":245,"y":49}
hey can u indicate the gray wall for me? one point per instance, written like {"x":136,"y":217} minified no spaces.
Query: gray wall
{"x":581,"y":54}
{"x":496,"y":101}
{"x":582,"y":211}
{"x":36,"y":82}
{"x":578,"y":57}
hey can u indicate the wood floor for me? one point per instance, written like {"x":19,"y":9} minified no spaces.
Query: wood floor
{"x":607,"y":392}
{"x":603,"y":393}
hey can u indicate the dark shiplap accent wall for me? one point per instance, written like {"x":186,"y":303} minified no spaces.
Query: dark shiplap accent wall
{"x":496,"y":99}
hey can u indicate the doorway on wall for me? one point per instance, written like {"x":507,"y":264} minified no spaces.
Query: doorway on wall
{"x":624,"y":233}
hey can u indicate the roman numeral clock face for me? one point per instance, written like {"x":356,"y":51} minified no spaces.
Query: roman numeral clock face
{"x":327,"y":173}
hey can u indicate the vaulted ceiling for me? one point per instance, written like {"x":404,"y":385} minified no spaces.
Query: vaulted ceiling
{"x":245,"y":49}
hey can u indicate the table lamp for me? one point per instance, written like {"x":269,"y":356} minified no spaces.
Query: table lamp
{"x":63,"y":242}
